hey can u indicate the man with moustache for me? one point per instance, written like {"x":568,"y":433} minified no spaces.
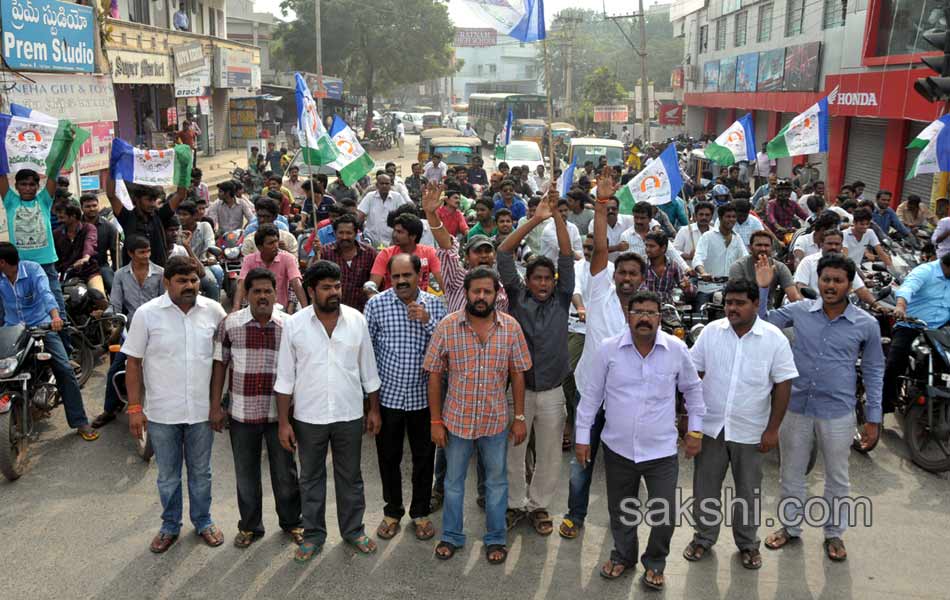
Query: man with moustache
{"x":607,"y":293}
{"x":168,"y":346}
{"x":401,"y":321}
{"x":687,"y":237}
{"x":325,"y":369}
{"x":354,"y":258}
{"x":716,"y":251}
{"x":245,"y":352}
{"x":760,"y":244}
{"x":636,"y":375}
{"x":481,"y":349}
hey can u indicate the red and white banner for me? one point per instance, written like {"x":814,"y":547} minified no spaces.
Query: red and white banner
{"x":611,"y":114}
{"x":670,"y":113}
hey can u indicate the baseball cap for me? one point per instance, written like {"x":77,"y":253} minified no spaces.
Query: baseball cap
{"x":478,"y":240}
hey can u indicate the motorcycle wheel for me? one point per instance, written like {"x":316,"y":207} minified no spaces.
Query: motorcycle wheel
{"x":12,"y":454}
{"x":860,"y":420}
{"x":143,"y":447}
{"x":83,"y":356}
{"x":927,"y":452}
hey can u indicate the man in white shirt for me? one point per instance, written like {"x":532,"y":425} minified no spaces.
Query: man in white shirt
{"x":324,"y":367}
{"x":435,"y":170}
{"x":764,"y":166}
{"x":398,"y":185}
{"x":176,"y":333}
{"x":747,"y":369}
{"x":617,"y":224}
{"x":374,"y":209}
{"x":469,"y":131}
{"x":549,"y":235}
{"x":635,"y":236}
{"x":687,"y":237}
{"x":746,"y":223}
{"x":807,"y":244}
{"x":806,"y":275}
{"x":716,"y":251}
{"x":860,"y":236}
{"x":401,"y":138}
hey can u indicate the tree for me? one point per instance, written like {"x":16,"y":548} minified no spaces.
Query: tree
{"x":374,"y":44}
{"x":601,"y":87}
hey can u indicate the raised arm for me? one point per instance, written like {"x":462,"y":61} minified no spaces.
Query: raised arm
{"x":431,"y":201}
{"x":117,"y":206}
{"x":541,"y":214}
{"x":606,"y":187}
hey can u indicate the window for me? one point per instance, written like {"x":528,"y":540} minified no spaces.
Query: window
{"x":492,"y":69}
{"x":765,"y":23}
{"x":212,"y":21}
{"x":703,"y":39}
{"x":721,"y":34}
{"x":834,"y":13}
{"x":480,"y":70}
{"x":794,"y":15}
{"x":742,"y":22}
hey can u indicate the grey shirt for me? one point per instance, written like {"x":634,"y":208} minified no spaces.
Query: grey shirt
{"x":744,"y":268}
{"x":581,"y":219}
{"x":127,"y":295}
{"x":544,"y":323}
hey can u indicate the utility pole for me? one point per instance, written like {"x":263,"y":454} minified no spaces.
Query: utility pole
{"x":570,"y":23}
{"x":641,"y":51}
{"x":320,"y":86}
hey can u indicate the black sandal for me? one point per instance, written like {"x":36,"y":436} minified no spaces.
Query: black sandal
{"x":452,"y":548}
{"x":651,"y":584}
{"x":609,"y":573}
{"x":491,"y":549}
{"x":751,"y":559}
{"x":836,"y":544}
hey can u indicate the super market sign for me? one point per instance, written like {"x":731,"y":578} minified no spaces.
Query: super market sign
{"x":48,"y":35}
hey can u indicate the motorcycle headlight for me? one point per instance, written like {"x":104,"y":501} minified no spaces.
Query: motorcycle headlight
{"x":232,"y":252}
{"x":8,"y":366}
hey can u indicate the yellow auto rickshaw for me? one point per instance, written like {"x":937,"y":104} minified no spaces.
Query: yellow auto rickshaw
{"x":426,"y":137}
{"x":457,"y":151}
{"x":560,"y":129}
{"x":529,"y":130}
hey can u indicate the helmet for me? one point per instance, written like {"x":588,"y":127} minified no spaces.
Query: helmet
{"x":720,"y":190}
{"x":783,"y":183}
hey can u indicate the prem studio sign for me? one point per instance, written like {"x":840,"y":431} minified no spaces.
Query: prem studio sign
{"x":47,"y":35}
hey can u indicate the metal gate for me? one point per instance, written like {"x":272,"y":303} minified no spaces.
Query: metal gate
{"x":921,"y":184}
{"x":866,"y":153}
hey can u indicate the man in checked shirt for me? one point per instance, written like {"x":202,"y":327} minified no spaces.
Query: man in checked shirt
{"x":246,"y":345}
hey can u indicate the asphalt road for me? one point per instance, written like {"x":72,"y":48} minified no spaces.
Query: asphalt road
{"x":79,"y":522}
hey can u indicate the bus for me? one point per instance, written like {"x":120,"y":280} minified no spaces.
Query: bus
{"x":487,"y":112}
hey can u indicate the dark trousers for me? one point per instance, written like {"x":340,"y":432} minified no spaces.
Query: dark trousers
{"x":711,"y":463}
{"x":344,"y":439}
{"x":623,"y":486}
{"x":578,"y":490}
{"x":113,"y":403}
{"x":898,"y":357}
{"x":247,"y":441}
{"x":397,"y":424}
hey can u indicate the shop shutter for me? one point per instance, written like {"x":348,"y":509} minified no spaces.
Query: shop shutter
{"x":921,"y":184}
{"x":865,"y":153}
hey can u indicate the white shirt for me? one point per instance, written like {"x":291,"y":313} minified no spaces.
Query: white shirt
{"x":763,"y":165}
{"x":807,"y":273}
{"x":687,"y":238}
{"x":716,"y":258}
{"x":549,"y":240}
{"x":739,"y":375}
{"x":806,"y":243}
{"x":857,"y":247}
{"x":845,"y":215}
{"x":400,"y":129}
{"x":582,"y":289}
{"x":469,"y":131}
{"x":605,"y":318}
{"x":745,"y":230}
{"x":400,"y":186}
{"x":636,"y":244}
{"x":435,"y":173}
{"x":624,"y":222}
{"x":176,"y":349}
{"x":327,"y":376}
{"x":376,"y":211}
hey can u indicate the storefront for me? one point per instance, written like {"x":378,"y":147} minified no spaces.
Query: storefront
{"x":234,"y":76}
{"x":144,"y":86}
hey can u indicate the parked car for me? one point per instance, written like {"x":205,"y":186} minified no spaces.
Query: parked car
{"x":520,"y":153}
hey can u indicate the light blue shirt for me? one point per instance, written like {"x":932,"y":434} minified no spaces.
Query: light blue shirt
{"x":927,"y":293}
{"x":181,"y":21}
{"x":28,"y":300}
{"x":826,"y":353}
{"x":280,"y":223}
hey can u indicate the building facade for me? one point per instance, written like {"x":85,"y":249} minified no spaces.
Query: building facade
{"x":493,"y":62}
{"x":775,"y":58}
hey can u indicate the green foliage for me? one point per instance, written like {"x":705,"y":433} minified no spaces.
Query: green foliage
{"x":601,"y":87}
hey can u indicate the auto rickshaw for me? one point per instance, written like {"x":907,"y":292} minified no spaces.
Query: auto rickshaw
{"x":560,"y":129}
{"x":529,"y":130}
{"x":426,"y":137}
{"x":457,"y":151}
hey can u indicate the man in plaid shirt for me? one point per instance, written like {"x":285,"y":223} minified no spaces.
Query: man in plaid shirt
{"x":662,"y":275}
{"x":401,"y":321}
{"x":480,"y":348}
{"x":246,"y":345}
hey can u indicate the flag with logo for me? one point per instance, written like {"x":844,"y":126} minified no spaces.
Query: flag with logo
{"x":504,"y":136}
{"x":934,"y":145}
{"x":520,"y":19}
{"x":171,"y":166}
{"x":735,"y":144}
{"x":566,"y":180}
{"x":658,"y":183}
{"x":352,"y":161}
{"x":807,"y":133}
{"x":315,"y":145}
{"x":37,"y":141}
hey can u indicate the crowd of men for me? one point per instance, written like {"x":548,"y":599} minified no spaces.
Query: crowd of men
{"x":480,"y":314}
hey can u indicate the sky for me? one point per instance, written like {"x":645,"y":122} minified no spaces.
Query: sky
{"x":462,"y":17}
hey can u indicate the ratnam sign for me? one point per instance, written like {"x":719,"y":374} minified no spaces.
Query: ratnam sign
{"x":475,"y":37}
{"x":47,"y":35}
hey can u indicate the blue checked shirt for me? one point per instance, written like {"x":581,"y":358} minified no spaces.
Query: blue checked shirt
{"x":400,"y":347}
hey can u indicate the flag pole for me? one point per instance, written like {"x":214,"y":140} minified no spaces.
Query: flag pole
{"x":547,"y":85}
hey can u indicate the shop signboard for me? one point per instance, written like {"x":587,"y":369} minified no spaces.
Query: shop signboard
{"x":232,"y":68}
{"x":193,"y":85}
{"x":139,"y":68}
{"x":81,"y":98}
{"x":189,"y":58}
{"x":48,"y":35}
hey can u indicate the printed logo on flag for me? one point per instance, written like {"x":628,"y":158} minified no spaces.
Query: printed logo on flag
{"x":802,"y":137}
{"x":154,"y":167}
{"x":28,"y":144}
{"x":346,"y":147}
{"x":653,"y":186}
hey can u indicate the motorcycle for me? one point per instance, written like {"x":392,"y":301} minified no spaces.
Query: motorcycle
{"x":28,"y":393}
{"x":143,"y":445}
{"x":94,"y":326}
{"x":228,"y":254}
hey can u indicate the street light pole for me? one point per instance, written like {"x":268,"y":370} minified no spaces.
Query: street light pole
{"x":320,"y":86}
{"x":641,"y":51}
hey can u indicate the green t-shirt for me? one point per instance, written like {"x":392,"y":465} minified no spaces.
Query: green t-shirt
{"x":29,"y":226}
{"x":477,"y":230}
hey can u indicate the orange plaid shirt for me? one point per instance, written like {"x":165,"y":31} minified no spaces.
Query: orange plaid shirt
{"x":475,"y":404}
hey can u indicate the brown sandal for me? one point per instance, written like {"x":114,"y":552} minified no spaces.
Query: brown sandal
{"x":836,"y":544}
{"x":779,"y":538}
{"x":609,"y":570}
{"x":388,"y":528}
{"x":244,"y":539}
{"x":212,"y":536}
{"x":425,"y":530}
{"x":568,"y":529}
{"x":751,"y":559}
{"x":541,"y":521}
{"x":162,"y":542}
{"x":694,"y":552}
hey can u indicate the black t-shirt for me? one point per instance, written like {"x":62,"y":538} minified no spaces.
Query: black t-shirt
{"x":153,"y":228}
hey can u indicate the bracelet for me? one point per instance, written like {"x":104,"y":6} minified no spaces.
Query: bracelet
{"x":433,"y":228}
{"x":602,"y":200}
{"x":133,"y":409}
{"x":439,"y":422}
{"x":695,"y":434}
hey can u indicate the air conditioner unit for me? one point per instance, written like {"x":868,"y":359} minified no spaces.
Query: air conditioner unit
{"x":690,"y":72}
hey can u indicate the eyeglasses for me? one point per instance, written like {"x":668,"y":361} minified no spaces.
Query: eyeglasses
{"x":645,"y":313}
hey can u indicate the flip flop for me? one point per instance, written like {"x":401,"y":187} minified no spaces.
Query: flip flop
{"x":650,"y":584}
{"x":609,"y":573}
{"x":452,"y":549}
{"x":305,"y":552}
{"x":492,"y":549}
{"x":363,"y":544}
{"x":88,"y":433}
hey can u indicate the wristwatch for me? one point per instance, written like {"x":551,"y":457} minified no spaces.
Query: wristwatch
{"x":695,"y":434}
{"x":521,"y":418}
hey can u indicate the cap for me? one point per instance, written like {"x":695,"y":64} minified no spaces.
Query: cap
{"x":478,"y":240}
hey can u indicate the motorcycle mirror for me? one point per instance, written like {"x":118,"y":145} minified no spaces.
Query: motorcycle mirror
{"x":883,"y":293}
{"x":809,"y":293}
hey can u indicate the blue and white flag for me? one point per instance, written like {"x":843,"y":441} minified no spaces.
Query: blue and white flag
{"x":520,"y":19}
{"x":353,"y":163}
{"x":37,"y":141}
{"x":934,"y":145}
{"x":735,"y":144}
{"x":315,"y":145}
{"x":506,"y":132}
{"x":566,"y":180}
{"x":18,"y":110}
{"x":658,"y":183}
{"x":807,"y":133}
{"x":168,"y":166}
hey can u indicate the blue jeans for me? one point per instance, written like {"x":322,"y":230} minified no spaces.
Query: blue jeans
{"x":439,"y":486}
{"x":579,"y":488}
{"x":53,"y":276}
{"x":113,"y":403}
{"x":172,"y":443}
{"x":108,"y":276}
{"x":458,"y":453}
{"x":66,"y":381}
{"x":218,"y":273}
